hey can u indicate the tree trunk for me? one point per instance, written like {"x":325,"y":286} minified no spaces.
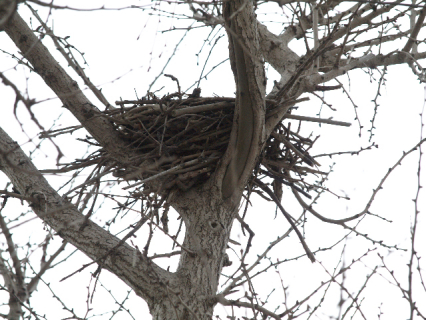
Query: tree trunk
{"x":189,"y":293}
{"x":207,"y":210}
{"x":15,"y":308}
{"x":208,"y":221}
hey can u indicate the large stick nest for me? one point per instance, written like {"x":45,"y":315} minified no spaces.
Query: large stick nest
{"x":182,"y":140}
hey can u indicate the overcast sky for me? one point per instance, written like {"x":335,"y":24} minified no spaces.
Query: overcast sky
{"x":125,"y":51}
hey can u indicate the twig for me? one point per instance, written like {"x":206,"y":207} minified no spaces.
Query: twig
{"x":320,"y":120}
{"x":166,"y":172}
{"x":265,"y":188}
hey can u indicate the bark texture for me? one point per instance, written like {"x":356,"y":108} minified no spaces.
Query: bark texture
{"x":208,"y":221}
{"x":144,"y":276}
{"x":186,"y":294}
{"x":248,"y":132}
{"x":208,"y":210}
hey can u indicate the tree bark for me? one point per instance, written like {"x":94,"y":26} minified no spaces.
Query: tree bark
{"x":248,"y":132}
{"x":14,"y":279}
{"x":66,"y":88}
{"x":186,"y":294}
{"x":208,"y":221}
{"x":208,"y":210}
{"x":143,"y":276}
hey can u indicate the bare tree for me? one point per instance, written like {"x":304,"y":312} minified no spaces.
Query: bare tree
{"x":206,"y":156}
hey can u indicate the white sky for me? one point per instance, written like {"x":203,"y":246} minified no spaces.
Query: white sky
{"x":121,"y":64}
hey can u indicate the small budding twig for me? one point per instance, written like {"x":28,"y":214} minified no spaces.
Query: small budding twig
{"x":265,"y":188}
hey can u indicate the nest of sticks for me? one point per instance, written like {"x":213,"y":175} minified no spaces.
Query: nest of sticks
{"x":180,"y":142}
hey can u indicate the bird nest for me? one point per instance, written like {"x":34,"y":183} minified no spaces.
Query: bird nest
{"x":180,"y":142}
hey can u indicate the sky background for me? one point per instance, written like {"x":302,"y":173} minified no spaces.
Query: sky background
{"x":126,"y":50}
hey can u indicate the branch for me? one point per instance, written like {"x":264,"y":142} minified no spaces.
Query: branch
{"x":72,"y":62}
{"x":247,"y":136}
{"x":66,"y":220}
{"x":32,"y":285}
{"x":319,"y":120}
{"x":7,"y":9}
{"x":298,"y":30}
{"x":370,"y":201}
{"x":19,"y":275}
{"x":15,"y":281}
{"x":322,"y":218}
{"x":360,"y":20}
{"x":276,"y":115}
{"x":412,"y":39}
{"x":266,"y":313}
{"x":276,"y":52}
{"x":284,"y":2}
{"x":368,"y":61}
{"x":265,"y":188}
{"x":65,"y":87}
